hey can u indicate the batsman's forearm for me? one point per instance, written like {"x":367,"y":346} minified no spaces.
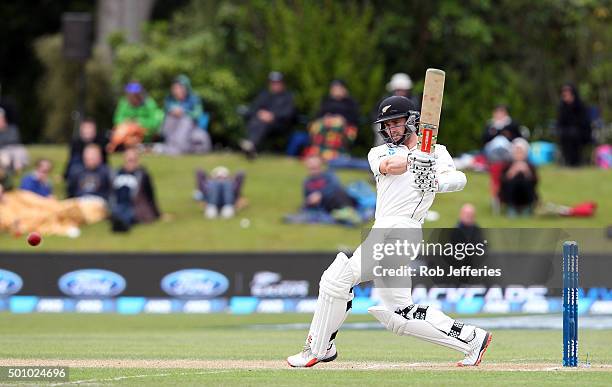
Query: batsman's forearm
{"x":451,"y":181}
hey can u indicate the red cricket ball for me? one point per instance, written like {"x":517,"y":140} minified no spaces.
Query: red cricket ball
{"x":34,"y":239}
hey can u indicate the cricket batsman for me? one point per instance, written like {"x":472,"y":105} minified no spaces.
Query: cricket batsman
{"x":407,"y":181}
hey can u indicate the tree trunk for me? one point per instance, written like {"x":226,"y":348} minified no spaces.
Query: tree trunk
{"x":126,"y":16}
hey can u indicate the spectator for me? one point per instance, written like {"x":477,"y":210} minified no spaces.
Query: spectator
{"x":93,"y":178}
{"x":401,"y":85}
{"x":325,"y":199}
{"x":137,"y":117}
{"x":467,"y":230}
{"x":12,"y":153}
{"x":220,"y":191}
{"x":498,"y":134}
{"x":322,"y":189}
{"x":500,"y":124}
{"x":38,"y":181}
{"x":573,"y":126}
{"x":185,"y":123}
{"x":339,"y":102}
{"x":88,"y":134}
{"x":273,"y":111}
{"x":133,"y":196}
{"x":335,"y":128}
{"x":518,"y":181}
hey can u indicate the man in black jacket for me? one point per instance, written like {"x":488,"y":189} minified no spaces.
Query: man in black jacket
{"x":92,"y":178}
{"x":272,"y":111}
{"x":500,"y":123}
{"x":573,"y":125}
{"x":133,"y":197}
{"x":339,"y":102}
{"x":88,"y":134}
{"x":498,"y":134}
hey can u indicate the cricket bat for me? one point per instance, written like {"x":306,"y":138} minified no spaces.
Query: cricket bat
{"x":431,"y":107}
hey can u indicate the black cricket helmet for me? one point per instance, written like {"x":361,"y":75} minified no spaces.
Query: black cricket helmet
{"x":397,"y":107}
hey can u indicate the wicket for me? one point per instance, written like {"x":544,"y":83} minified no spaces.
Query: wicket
{"x":570,"y":304}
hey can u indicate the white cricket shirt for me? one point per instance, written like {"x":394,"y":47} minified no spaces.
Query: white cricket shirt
{"x":395,"y":195}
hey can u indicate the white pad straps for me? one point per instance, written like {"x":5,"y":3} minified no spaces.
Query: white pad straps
{"x":420,"y":328}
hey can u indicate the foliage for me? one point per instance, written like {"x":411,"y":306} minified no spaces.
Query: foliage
{"x":316,"y":42}
{"x":58,"y":90}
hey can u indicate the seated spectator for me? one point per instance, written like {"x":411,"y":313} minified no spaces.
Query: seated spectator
{"x":273,"y":111}
{"x":339,"y":102}
{"x":467,"y":230}
{"x":221,"y":192}
{"x":88,"y":134}
{"x":133,"y":197}
{"x":322,"y":189}
{"x":185,"y":123}
{"x":12,"y":153}
{"x":518,"y":181}
{"x":498,"y":134}
{"x":325,"y":199}
{"x":93,"y":178}
{"x":137,"y":118}
{"x":38,"y":181}
{"x":335,"y":128}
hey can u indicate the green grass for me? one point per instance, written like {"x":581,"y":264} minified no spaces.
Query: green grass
{"x":195,"y":377}
{"x":273,"y":188}
{"x":230,"y":337}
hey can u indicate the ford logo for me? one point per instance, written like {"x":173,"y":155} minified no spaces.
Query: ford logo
{"x":195,"y":283}
{"x":91,"y":283}
{"x":10,"y":283}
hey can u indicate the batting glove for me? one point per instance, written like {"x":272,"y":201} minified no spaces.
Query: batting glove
{"x":422,"y":166}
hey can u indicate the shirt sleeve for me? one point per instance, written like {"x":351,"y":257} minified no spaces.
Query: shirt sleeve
{"x":120,"y":112}
{"x":444,"y":161}
{"x":375,"y":156}
{"x":449,"y":178}
{"x":151,"y":116}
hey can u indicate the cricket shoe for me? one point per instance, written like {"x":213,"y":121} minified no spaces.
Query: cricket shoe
{"x":307,"y":359}
{"x":478,"y":347}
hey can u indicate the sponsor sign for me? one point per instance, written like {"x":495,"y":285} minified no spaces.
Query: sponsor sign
{"x":271,"y":284}
{"x":10,"y":283}
{"x":195,"y":283}
{"x":91,"y":283}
